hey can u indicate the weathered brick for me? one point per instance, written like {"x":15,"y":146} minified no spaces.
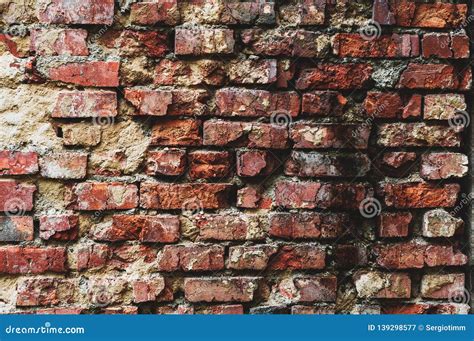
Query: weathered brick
{"x":252,"y":71}
{"x":394,"y":224}
{"x":312,"y":310}
{"x":51,"y":42}
{"x":81,"y":134}
{"x":327,"y":164}
{"x":437,"y":166}
{"x":442,"y":286}
{"x":132,"y":43}
{"x":335,"y":76}
{"x":202,"y":40}
{"x":376,"y":284}
{"x":419,"y":195}
{"x":308,"y":225}
{"x":85,"y":104}
{"x":239,"y":102}
{"x":181,"y":72}
{"x":397,"y":164}
{"x":64,"y":165}
{"x":434,"y":76}
{"x":307,"y":288}
{"x":443,"y":106}
{"x":256,"y":163}
{"x":225,"y":289}
{"x":392,"y":105}
{"x":145,"y":228}
{"x":59,"y":227}
{"x":230,"y":227}
{"x":323,"y":103}
{"x":254,"y":257}
{"x":184,"y":196}
{"x":156,"y":12}
{"x":304,"y":12}
{"x":417,"y":135}
{"x":176,"y":133}
{"x":32,"y":260}
{"x":100,"y":12}
{"x":16,"y":229}
{"x":290,"y":194}
{"x":425,"y":308}
{"x":18,"y":163}
{"x":248,"y":197}
{"x":92,"y":73}
{"x":319,"y":136}
{"x":234,"y":309}
{"x":148,"y":289}
{"x":209,"y":165}
{"x":244,"y":134}
{"x":93,"y":256}
{"x":350,"y":256}
{"x":45,"y":292}
{"x":385,"y":46}
{"x":191,"y":258}
{"x":16,"y":198}
{"x":97,"y":196}
{"x":439,"y":223}
{"x":302,"y":256}
{"x":171,"y":162}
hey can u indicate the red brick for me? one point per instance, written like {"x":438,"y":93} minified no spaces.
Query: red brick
{"x":254,"y":257}
{"x":127,"y":310}
{"x":64,"y":165}
{"x":437,"y":45}
{"x":100,"y":12}
{"x":244,"y":134}
{"x":234,"y":309}
{"x":154,"y":229}
{"x":444,"y":255}
{"x":32,"y":260}
{"x":209,"y":164}
{"x":248,"y":197}
{"x":335,"y":76}
{"x":60,"y":311}
{"x":383,"y":104}
{"x":323,"y":103}
{"x":425,"y":308}
{"x":350,"y":256}
{"x":413,"y":107}
{"x":299,"y":257}
{"x":16,"y":229}
{"x":434,"y":76}
{"x":85,"y":104}
{"x":168,"y":102}
{"x":394,"y":224}
{"x":417,"y":135}
{"x":156,"y":12}
{"x":92,"y":256}
{"x":53,"y":42}
{"x":13,"y":45}
{"x":16,"y":198}
{"x":45,"y":292}
{"x":317,"y":136}
{"x":437,"y":166}
{"x":97,"y":196}
{"x":238,"y":102}
{"x":419,"y":195}
{"x":59,"y":227}
{"x":256,"y":163}
{"x":230,"y":227}
{"x":443,"y":286}
{"x":308,"y":225}
{"x":385,"y":46}
{"x":327,"y":164}
{"x":225,"y":289}
{"x":304,"y":12}
{"x":203,"y":40}
{"x":184,"y":196}
{"x":91,"y":73}
{"x":132,"y":43}
{"x":147,"y":289}
{"x":316,"y":288}
{"x":18,"y":163}
{"x":187,"y":73}
{"x":460,"y":44}
{"x":440,"y":223}
{"x":400,"y":256}
{"x":398,"y":160}
{"x":176,"y":133}
{"x":290,"y":194}
{"x":375,"y":284}
{"x":180,"y":309}
{"x":264,"y":71}
{"x":191,"y":258}
{"x":170,"y":162}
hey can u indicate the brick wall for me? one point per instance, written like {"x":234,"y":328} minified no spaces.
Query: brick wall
{"x":211,"y":156}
